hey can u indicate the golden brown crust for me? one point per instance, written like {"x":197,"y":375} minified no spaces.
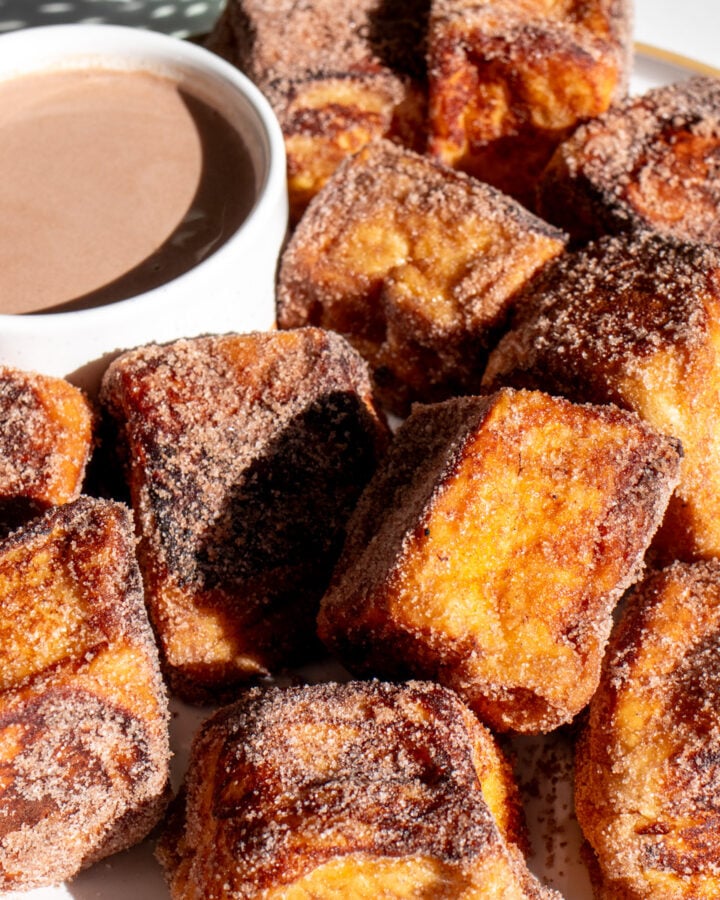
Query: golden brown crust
{"x":490,"y":548}
{"x":46,"y":437}
{"x":83,"y":711}
{"x":416,"y":265}
{"x":338,"y":74}
{"x":648,"y":163}
{"x":647,"y":794}
{"x":245,"y":455}
{"x":510,"y":79}
{"x":634,"y":321}
{"x":369,"y":787}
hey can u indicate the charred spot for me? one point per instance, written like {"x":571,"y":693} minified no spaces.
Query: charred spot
{"x":285,"y":512}
{"x":68,"y":742}
{"x":397,"y":35}
{"x":330,"y":120}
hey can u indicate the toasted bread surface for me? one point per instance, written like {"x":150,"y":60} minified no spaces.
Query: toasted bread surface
{"x":46,"y":439}
{"x":646,"y":768}
{"x":359,"y":789}
{"x":417,"y":266}
{"x":245,"y":455}
{"x":490,"y":548}
{"x":338,"y":74}
{"x":510,"y":79}
{"x":83,"y":711}
{"x":634,"y":320}
{"x":647,"y":163}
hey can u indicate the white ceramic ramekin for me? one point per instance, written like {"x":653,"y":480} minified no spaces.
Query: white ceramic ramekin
{"x":231,"y":290}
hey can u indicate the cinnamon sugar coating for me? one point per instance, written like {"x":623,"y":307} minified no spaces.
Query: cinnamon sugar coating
{"x":83,"y":711}
{"x":649,"y":163}
{"x":647,"y":789}
{"x":363,"y":789}
{"x":634,"y":321}
{"x":337,"y":73}
{"x":510,"y":79}
{"x":46,"y":437}
{"x":416,"y":265}
{"x":245,"y":455}
{"x":491,"y":547}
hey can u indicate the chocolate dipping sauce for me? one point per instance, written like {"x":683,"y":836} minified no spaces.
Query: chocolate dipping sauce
{"x":111,"y":183}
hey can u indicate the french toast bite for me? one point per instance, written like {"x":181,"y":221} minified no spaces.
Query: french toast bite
{"x":83,"y":711}
{"x":46,"y":438}
{"x":510,"y":79}
{"x":337,"y":74}
{"x":647,"y":773}
{"x":634,"y":320}
{"x":416,"y":265}
{"x":649,"y":162}
{"x":245,"y":455}
{"x":491,"y":547}
{"x":361,"y":790}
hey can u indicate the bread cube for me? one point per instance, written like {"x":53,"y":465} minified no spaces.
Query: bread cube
{"x":337,"y":76}
{"x":416,"y":265}
{"x":648,"y":163}
{"x":634,"y":321}
{"x":647,"y":777}
{"x":83,"y":711}
{"x":46,"y":438}
{"x":491,"y":547}
{"x":359,"y":790}
{"x":245,"y":455}
{"x":510,"y":79}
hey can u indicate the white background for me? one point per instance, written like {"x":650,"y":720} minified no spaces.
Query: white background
{"x":689,"y":27}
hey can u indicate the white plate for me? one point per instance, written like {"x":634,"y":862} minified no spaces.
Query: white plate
{"x":654,"y":67}
{"x":543,"y":765}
